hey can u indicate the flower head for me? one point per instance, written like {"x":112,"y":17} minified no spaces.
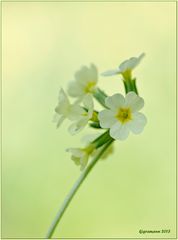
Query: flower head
{"x":125,"y":67}
{"x":84,"y":116}
{"x":65,"y":109}
{"x":88,"y":139}
{"x":81,"y":155}
{"x":85,"y":82}
{"x":123,"y":116}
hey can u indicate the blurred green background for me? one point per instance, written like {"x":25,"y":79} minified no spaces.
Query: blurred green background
{"x":43,"y":45}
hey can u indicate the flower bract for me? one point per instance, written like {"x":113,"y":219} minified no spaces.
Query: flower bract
{"x":122,"y":115}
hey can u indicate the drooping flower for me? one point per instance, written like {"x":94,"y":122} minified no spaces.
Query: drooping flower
{"x":84,"y":116}
{"x":80,"y":156}
{"x":126,"y":67}
{"x":123,"y":116}
{"x":85,"y":82}
{"x":65,"y":109}
{"x":88,"y":139}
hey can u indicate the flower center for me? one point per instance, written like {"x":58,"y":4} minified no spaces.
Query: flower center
{"x":89,"y":87}
{"x":124,"y":115}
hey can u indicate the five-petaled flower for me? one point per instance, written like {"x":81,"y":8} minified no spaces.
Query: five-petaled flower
{"x":79,"y":115}
{"x":66,"y":110}
{"x":122,"y":115}
{"x":126,"y":67}
{"x":85,"y":82}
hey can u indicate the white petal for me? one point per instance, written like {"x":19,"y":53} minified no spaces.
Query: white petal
{"x":119,"y":131}
{"x":137,"y":124}
{"x":76,"y":152}
{"x":87,"y":74}
{"x":93,"y":73}
{"x":63,"y":103}
{"x":130,"y":63}
{"x":75,"y":112}
{"x":90,"y":138}
{"x":88,"y":101}
{"x":58,"y":119}
{"x":81,"y":74}
{"x":115,"y":101}
{"x":76,"y":127}
{"x":141,"y":56}
{"x":111,"y":72}
{"x":89,"y":105}
{"x":133,"y":101}
{"x":75,"y":90}
{"x":106,"y":118}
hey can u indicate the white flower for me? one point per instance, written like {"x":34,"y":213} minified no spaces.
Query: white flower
{"x":88,"y":139}
{"x":65,"y":109}
{"x":84,"y":117}
{"x":85,"y":82}
{"x":81,"y":155}
{"x":125,"y":67}
{"x":122,"y":115}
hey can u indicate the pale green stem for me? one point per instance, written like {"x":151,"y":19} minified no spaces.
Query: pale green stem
{"x":75,"y":188}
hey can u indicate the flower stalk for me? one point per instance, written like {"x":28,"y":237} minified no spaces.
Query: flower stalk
{"x":75,"y":188}
{"x":120,"y":116}
{"x":100,"y":96}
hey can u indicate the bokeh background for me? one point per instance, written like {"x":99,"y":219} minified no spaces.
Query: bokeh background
{"x":44,"y":43}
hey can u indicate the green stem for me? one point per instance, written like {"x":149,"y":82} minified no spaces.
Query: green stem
{"x":134,"y":86}
{"x":100,"y":96}
{"x":130,"y":85}
{"x":75,"y":188}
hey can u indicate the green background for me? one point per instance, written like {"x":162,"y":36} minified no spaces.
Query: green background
{"x":43,"y":45}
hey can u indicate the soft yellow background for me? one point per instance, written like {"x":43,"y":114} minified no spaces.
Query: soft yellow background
{"x":43,"y":45}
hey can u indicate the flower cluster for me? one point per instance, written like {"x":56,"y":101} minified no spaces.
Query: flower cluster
{"x":120,"y":116}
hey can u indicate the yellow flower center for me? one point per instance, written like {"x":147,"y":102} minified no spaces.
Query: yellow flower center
{"x":89,"y":87}
{"x":124,"y":115}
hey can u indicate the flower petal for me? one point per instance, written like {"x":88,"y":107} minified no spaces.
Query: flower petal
{"x":133,"y":101}
{"x":75,"y":112}
{"x":106,"y":118}
{"x":76,"y":152}
{"x":115,"y":101}
{"x":75,"y":90}
{"x":138,"y":123}
{"x":63,"y":103}
{"x":85,"y":75}
{"x":89,"y":105}
{"x":90,"y":137}
{"x":130,"y":63}
{"x":58,"y":119}
{"x":76,"y":127}
{"x":119,"y":131}
{"x":93,"y":72}
{"x":88,"y":102}
{"x":111,"y":72}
